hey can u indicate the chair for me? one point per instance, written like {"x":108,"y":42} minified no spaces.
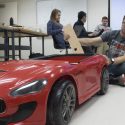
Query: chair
{"x":56,"y":46}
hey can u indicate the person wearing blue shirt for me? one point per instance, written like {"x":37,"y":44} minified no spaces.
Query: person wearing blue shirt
{"x":55,"y":28}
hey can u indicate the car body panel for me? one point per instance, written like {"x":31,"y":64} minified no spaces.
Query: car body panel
{"x":85,"y":71}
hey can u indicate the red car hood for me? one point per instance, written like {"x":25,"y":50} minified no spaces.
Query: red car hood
{"x":14,"y":72}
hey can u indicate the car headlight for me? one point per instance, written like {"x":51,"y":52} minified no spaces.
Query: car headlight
{"x":29,"y":88}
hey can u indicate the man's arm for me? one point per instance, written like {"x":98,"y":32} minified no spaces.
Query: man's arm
{"x":119,"y":60}
{"x":90,"y":41}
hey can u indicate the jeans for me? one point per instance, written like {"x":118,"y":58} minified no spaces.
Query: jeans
{"x":116,"y":70}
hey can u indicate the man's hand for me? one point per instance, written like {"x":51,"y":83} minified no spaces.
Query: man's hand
{"x":107,"y":59}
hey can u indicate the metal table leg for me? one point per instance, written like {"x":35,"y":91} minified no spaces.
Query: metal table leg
{"x":6,"y":46}
{"x":30,"y":38}
{"x":13,"y":46}
{"x":43,"y":45}
{"x":19,"y":47}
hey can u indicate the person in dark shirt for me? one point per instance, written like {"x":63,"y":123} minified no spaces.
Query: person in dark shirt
{"x":55,"y":29}
{"x":116,"y":55}
{"x":81,"y":31}
{"x":79,"y":25}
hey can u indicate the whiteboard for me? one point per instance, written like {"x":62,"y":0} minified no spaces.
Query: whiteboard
{"x":117,"y":12}
{"x":69,"y":11}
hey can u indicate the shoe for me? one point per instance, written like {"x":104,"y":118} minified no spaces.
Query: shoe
{"x":120,"y":80}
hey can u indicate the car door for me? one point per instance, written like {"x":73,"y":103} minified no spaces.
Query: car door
{"x":88,"y":75}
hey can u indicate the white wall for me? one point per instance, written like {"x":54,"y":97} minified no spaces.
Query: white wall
{"x":5,"y":14}
{"x":116,"y":18}
{"x":96,"y":10}
{"x":27,"y":12}
{"x":68,"y":8}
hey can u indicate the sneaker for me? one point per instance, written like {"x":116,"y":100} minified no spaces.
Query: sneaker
{"x":120,"y":80}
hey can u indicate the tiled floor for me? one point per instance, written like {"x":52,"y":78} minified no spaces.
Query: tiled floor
{"x":102,"y":110}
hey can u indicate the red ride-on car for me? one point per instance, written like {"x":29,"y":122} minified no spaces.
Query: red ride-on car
{"x":47,"y":90}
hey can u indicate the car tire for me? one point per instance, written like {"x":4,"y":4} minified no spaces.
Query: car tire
{"x":62,"y":102}
{"x":104,"y":82}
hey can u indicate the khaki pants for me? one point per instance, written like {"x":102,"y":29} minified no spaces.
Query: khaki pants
{"x":102,"y":48}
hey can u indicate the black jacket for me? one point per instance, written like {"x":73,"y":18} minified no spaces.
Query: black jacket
{"x":80,"y":29}
{"x":82,"y":33}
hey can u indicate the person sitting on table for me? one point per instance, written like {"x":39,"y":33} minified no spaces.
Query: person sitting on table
{"x":55,"y":28}
{"x":116,"y":54}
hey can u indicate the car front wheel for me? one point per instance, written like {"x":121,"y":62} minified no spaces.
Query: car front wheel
{"x":62,"y":102}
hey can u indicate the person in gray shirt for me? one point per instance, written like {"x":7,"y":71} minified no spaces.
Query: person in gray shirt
{"x":116,"y":54}
{"x":101,"y":27}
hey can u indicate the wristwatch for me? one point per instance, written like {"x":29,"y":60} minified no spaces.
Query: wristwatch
{"x":112,"y":60}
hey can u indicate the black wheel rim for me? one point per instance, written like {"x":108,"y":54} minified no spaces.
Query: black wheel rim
{"x":68,"y":103}
{"x":105,"y":80}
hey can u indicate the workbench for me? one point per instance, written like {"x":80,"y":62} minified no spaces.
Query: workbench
{"x":10,"y":32}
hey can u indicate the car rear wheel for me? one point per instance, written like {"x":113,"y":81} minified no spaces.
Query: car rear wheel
{"x":62,"y":102}
{"x":104,"y":82}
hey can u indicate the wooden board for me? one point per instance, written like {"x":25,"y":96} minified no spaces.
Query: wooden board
{"x":73,"y":40}
{"x":21,"y":31}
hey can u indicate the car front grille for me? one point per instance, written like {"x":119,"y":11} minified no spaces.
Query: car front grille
{"x":2,"y":106}
{"x":24,"y":111}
